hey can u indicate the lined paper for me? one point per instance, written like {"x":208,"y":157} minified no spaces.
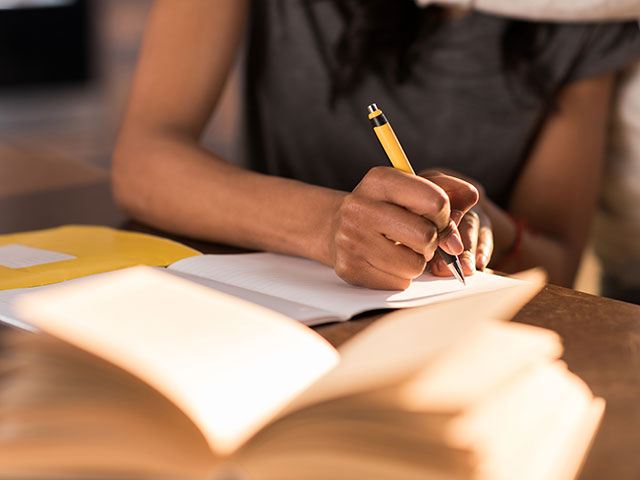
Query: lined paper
{"x":310,"y":283}
{"x":22,"y":256}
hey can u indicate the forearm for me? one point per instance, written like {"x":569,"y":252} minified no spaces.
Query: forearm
{"x":172,"y":183}
{"x":558,"y":10}
{"x":556,"y":192}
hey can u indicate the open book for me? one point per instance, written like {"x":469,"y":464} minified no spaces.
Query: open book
{"x":302,"y":289}
{"x":142,"y":374}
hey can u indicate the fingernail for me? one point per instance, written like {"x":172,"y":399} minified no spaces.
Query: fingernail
{"x":481,"y":262}
{"x":454,"y":244}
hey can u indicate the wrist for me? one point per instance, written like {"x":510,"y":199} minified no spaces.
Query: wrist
{"x":318,"y":241}
{"x":510,"y":258}
{"x":505,"y":230}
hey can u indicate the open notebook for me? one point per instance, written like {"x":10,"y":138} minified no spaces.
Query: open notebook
{"x":313,"y":293}
{"x":302,"y":289}
{"x":141,"y":374}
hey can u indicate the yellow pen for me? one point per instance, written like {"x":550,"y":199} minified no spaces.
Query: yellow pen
{"x":399,"y":160}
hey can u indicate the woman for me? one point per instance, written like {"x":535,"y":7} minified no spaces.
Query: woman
{"x":518,"y":109}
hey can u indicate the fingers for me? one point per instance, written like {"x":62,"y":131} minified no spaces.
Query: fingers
{"x":484,"y":250}
{"x":424,"y":198}
{"x":477,"y":237}
{"x":380,"y":245}
{"x":398,"y":225}
{"x":469,"y":228}
{"x":376,"y":262}
{"x":462,"y":196}
{"x":371,"y":277}
{"x":391,"y":224}
{"x":418,"y":195}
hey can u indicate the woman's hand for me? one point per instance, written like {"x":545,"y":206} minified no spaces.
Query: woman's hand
{"x":474,"y":227}
{"x":386,"y":230}
{"x":477,"y":238}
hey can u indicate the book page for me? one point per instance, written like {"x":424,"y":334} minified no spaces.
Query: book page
{"x":65,"y":411}
{"x":476,"y":364}
{"x":565,"y":417}
{"x":8,"y":315}
{"x":8,"y":299}
{"x":228,"y":364}
{"x":311,"y":283}
{"x":404,"y":343}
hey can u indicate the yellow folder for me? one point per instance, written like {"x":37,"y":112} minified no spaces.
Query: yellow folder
{"x":73,"y":251}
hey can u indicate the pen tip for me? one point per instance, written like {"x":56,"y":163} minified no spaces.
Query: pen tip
{"x":456,"y":268}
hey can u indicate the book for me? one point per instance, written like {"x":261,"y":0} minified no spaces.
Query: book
{"x":142,"y":374}
{"x":299,"y":288}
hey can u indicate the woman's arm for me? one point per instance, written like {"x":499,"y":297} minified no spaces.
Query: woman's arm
{"x":555,"y":195}
{"x":558,"y":10}
{"x":380,"y":235}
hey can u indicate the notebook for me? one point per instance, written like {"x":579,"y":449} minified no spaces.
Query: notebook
{"x":299,"y":288}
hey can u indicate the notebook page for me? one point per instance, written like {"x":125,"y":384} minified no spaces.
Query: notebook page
{"x":23,"y":256}
{"x":311,"y":283}
{"x":303,"y":313}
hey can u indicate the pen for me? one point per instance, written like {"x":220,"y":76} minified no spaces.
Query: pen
{"x":399,"y":160}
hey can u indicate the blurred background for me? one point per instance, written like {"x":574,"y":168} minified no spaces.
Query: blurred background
{"x":65,"y":71}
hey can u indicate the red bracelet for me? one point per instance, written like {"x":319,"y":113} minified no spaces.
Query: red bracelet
{"x":515,"y":252}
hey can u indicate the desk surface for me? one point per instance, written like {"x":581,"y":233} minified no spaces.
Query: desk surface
{"x":601,"y":336}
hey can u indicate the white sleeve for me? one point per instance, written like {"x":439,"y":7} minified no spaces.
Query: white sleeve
{"x":567,"y":10}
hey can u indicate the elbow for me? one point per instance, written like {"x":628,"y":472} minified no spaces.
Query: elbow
{"x":564,"y":276}
{"x":564,"y":269}
{"x":558,"y":255}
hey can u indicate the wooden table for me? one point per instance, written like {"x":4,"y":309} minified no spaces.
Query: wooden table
{"x":601,"y":336}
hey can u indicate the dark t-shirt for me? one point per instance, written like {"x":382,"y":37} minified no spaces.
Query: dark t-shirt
{"x":455,"y":111}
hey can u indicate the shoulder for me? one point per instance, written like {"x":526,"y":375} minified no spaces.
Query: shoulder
{"x":578,"y":51}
